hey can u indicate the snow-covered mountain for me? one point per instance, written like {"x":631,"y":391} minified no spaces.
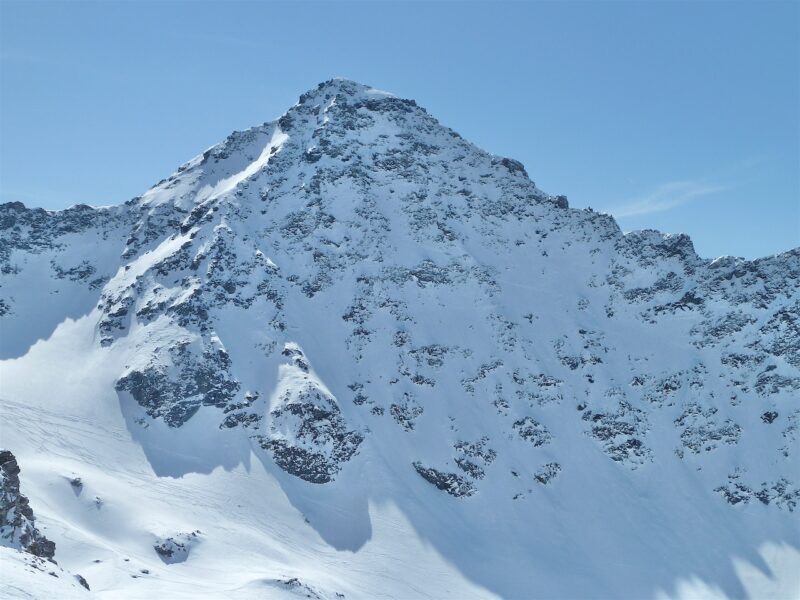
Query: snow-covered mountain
{"x":347,"y":354}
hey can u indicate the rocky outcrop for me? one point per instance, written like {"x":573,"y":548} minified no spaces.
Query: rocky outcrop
{"x":620,"y":432}
{"x":782,"y":493}
{"x":179,"y":380}
{"x":176,"y":548}
{"x":530,"y":430}
{"x":308,"y":437}
{"x":453,"y":484}
{"x":547,"y":473}
{"x":17,"y":522}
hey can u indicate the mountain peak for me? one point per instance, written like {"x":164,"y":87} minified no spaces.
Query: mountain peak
{"x":370,"y":336}
{"x":342,"y":88}
{"x":335,"y":129}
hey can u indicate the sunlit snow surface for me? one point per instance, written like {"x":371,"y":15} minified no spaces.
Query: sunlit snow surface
{"x":590,"y":396}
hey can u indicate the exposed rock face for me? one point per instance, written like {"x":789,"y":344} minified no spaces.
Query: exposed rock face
{"x":453,"y":484}
{"x":356,"y":267}
{"x":176,"y":386}
{"x":17,"y":522}
{"x":474,"y":457}
{"x":308,"y":436}
{"x":175,"y":549}
{"x":701,"y":432}
{"x":295,"y":587}
{"x":531,"y":430}
{"x":620,"y":432}
{"x":82,"y":581}
{"x":781,"y":493}
{"x":547,"y":473}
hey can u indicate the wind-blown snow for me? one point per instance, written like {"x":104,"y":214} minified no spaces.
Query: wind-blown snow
{"x":230,"y":183}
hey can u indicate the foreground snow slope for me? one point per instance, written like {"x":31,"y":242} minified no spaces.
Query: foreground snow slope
{"x":349,"y":353}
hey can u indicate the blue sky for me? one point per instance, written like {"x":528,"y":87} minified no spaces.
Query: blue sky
{"x":679,"y":116}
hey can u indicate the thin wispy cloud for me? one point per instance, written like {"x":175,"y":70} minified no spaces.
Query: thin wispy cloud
{"x":666,"y":197}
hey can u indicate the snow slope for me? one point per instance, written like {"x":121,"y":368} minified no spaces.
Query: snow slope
{"x":349,"y":354}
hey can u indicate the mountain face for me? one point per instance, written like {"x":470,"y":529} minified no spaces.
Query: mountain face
{"x":349,"y":354}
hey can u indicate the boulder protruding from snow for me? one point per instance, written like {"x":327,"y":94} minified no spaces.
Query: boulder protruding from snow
{"x":175,"y":549}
